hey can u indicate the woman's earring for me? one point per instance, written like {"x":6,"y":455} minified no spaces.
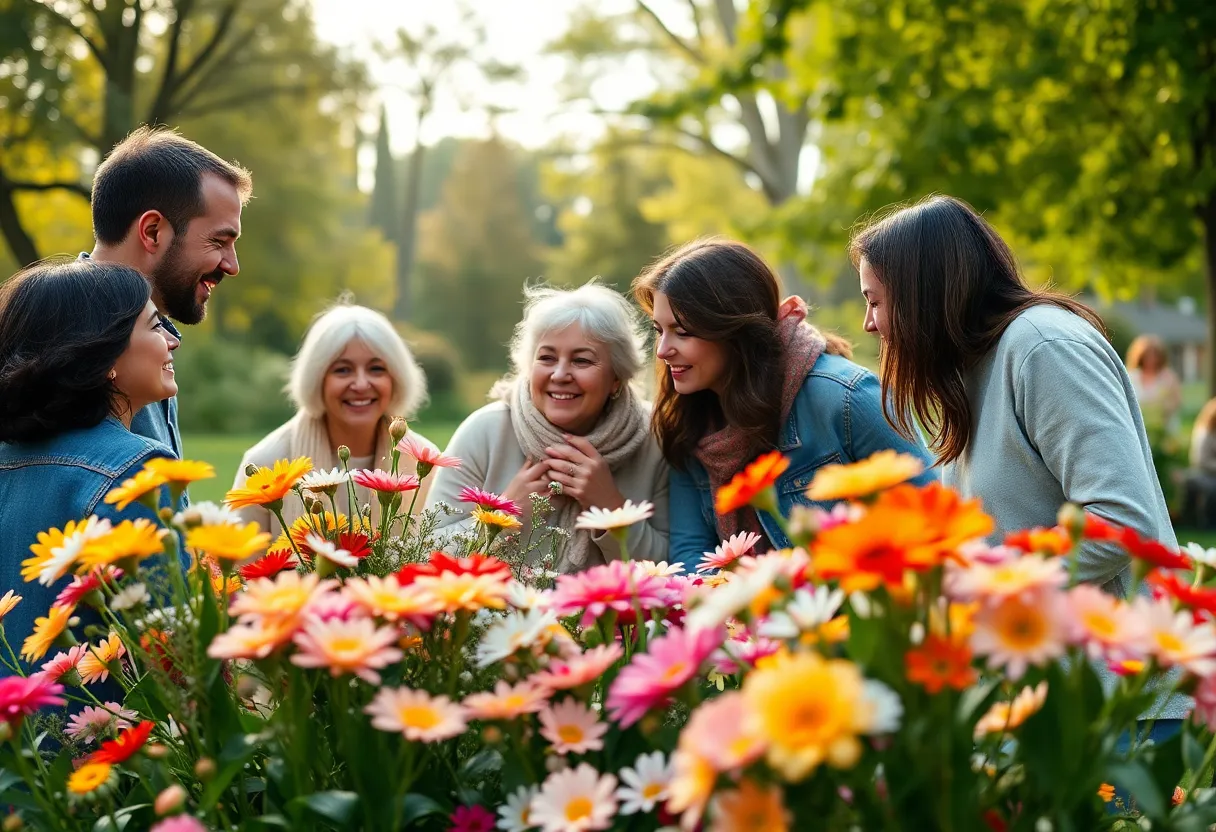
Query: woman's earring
{"x":616,"y":394}
{"x":113,"y":375}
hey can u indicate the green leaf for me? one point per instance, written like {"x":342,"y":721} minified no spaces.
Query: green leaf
{"x":1167,"y":764}
{"x":480,"y":764}
{"x":1192,"y":752}
{"x":334,"y":806}
{"x":268,"y":822}
{"x":1137,"y":780}
{"x":121,"y":818}
{"x":231,"y":761}
{"x":418,"y":806}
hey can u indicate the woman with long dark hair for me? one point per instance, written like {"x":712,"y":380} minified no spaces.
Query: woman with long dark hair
{"x":82,"y":349}
{"x":1025,"y":401}
{"x":741,"y":373}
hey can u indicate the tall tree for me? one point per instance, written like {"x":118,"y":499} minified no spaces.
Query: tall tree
{"x":384,"y":212}
{"x":477,"y":253}
{"x":81,"y":75}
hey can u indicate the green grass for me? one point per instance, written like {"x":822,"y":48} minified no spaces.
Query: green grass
{"x":224,"y":451}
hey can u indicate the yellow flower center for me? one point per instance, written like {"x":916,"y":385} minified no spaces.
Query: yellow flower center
{"x":1100,"y":624}
{"x":418,"y":716}
{"x":1021,"y":626}
{"x":651,"y":791}
{"x":579,"y":808}
{"x":675,"y":671}
{"x":570,"y":733}
{"x":346,"y":645}
{"x":1169,"y":642}
{"x":513,"y":701}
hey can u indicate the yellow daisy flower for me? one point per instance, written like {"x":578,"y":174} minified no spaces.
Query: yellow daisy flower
{"x":56,"y":551}
{"x":497,"y":519}
{"x":180,"y":471}
{"x":46,"y":629}
{"x":8,"y":602}
{"x":89,"y":778}
{"x":879,"y":472}
{"x":228,"y":541}
{"x":269,"y":485}
{"x":133,"y":489}
{"x":94,"y":666}
{"x":465,"y":591}
{"x":136,"y":539}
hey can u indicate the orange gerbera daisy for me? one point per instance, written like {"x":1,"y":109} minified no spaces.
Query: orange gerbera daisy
{"x":876,"y":550}
{"x":268,"y":486}
{"x":949,"y":520}
{"x":1053,"y":541}
{"x":861,"y":479}
{"x":939,"y":663}
{"x":750,"y":483}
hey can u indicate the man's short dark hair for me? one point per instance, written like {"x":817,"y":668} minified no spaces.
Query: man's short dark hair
{"x":155,"y":169}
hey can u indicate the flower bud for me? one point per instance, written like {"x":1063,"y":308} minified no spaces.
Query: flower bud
{"x":6,"y":732}
{"x":397,"y":429}
{"x":1072,"y":518}
{"x":170,"y":801}
{"x":156,"y":751}
{"x":204,"y":769}
{"x":250,"y":469}
{"x":492,"y":734}
{"x":12,"y":823}
{"x":344,"y":453}
{"x":166,"y":515}
{"x":315,"y":506}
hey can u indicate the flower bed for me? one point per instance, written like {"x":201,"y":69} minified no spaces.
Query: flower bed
{"x":891,"y":671}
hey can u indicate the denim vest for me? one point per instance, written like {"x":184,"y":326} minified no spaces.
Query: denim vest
{"x":837,"y":417}
{"x":45,"y":484}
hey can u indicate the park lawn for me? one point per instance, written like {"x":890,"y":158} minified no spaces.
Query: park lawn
{"x":224,"y":451}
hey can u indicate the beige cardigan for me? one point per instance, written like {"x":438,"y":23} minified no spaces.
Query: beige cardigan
{"x":491,"y":457}
{"x":303,"y":435}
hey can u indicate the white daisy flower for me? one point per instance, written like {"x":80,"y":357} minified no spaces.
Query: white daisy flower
{"x":325,"y":549}
{"x":324,"y":481}
{"x":724,"y":602}
{"x":515,"y":632}
{"x":602,"y":519}
{"x":524,"y":597}
{"x":515,"y":814}
{"x":649,"y":568}
{"x":206,"y":513}
{"x":644,"y":785}
{"x":130,"y":596}
{"x":888,"y":708}
{"x":806,"y":611}
{"x":574,"y":800}
{"x":1201,"y":555}
{"x":64,"y":555}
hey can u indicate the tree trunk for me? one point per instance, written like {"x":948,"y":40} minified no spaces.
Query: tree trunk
{"x":1207,"y":217}
{"x":403,"y":308}
{"x":20,"y":243}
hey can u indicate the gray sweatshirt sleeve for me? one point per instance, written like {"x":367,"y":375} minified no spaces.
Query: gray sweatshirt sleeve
{"x":1075,"y":410}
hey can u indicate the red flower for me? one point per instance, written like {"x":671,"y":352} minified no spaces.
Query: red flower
{"x":269,"y":565}
{"x":125,"y":746}
{"x":384,"y":481}
{"x":1195,"y":597}
{"x":472,"y":819}
{"x":1147,"y":550}
{"x":473,"y":565}
{"x":752,"y":481}
{"x":1053,"y":541}
{"x":357,"y":543}
{"x":994,"y":821}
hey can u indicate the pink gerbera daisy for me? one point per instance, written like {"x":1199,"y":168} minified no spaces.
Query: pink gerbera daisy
{"x":74,"y":593}
{"x":21,"y":696}
{"x":652,"y":677}
{"x":572,"y":727}
{"x":64,"y":663}
{"x":384,"y":481}
{"x":488,"y":501}
{"x":95,"y":722}
{"x":738,"y":654}
{"x":427,"y":455}
{"x":356,"y":646}
{"x":613,"y":586}
{"x":472,"y":819}
{"x":729,"y":551}
{"x":580,"y":669}
{"x":507,"y":701}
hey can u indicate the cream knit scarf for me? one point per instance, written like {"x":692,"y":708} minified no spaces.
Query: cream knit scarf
{"x":617,"y":436}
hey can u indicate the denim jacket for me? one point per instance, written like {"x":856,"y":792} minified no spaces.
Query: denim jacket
{"x":45,"y":484}
{"x":837,"y":417}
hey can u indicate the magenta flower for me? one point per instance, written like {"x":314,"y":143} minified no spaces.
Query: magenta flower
{"x":179,"y":823}
{"x":385,"y":482}
{"x":613,"y":586}
{"x":472,"y":819}
{"x":651,"y":678}
{"x":427,"y":455}
{"x":488,"y":500}
{"x":21,"y":696}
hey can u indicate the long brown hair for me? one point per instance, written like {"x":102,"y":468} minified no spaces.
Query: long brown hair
{"x":720,"y":291}
{"x":952,"y":286}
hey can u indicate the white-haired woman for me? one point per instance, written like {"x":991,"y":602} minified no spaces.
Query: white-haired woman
{"x":352,"y":375}
{"x":567,"y":414}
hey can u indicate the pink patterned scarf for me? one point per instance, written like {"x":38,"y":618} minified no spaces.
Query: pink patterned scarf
{"x":725,"y":453}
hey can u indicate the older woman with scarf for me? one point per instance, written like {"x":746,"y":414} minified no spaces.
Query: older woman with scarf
{"x":567,"y":421}
{"x":741,"y":373}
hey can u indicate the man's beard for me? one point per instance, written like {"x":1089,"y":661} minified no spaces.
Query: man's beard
{"x":178,"y":287}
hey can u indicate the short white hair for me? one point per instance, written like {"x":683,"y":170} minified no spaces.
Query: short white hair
{"x":604,"y":315}
{"x":329,"y":335}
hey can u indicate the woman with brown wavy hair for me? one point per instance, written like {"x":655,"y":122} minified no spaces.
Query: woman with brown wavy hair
{"x":1025,"y":401}
{"x":741,"y":373}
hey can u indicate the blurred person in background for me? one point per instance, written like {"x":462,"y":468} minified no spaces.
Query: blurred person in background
{"x":1157,"y":386}
{"x":352,"y":375}
{"x":567,"y":416}
{"x":82,"y":350}
{"x":1199,"y":483}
